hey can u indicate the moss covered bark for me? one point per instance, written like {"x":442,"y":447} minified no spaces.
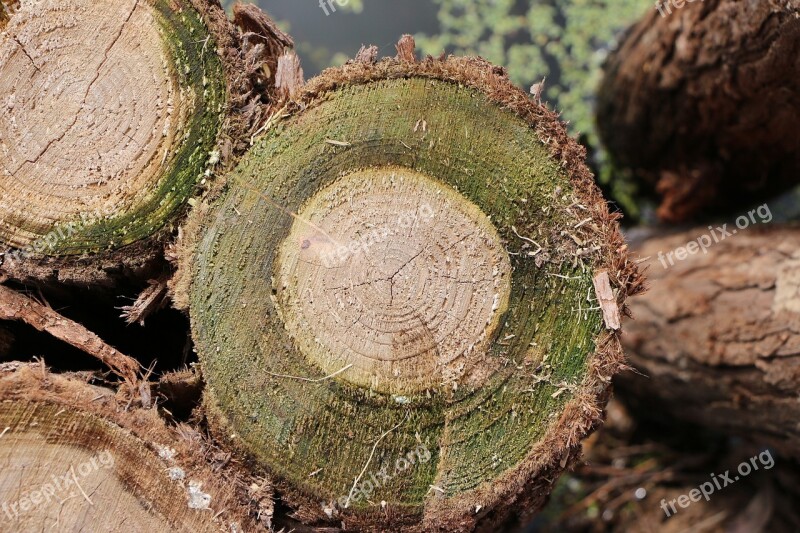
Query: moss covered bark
{"x":351,"y":434}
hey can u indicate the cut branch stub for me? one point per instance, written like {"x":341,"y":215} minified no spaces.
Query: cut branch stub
{"x":111,"y":114}
{"x":393,"y":300}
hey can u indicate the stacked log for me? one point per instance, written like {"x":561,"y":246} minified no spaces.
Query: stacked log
{"x":701,"y":100}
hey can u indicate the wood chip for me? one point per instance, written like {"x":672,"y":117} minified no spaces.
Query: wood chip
{"x":289,"y":75}
{"x":607,"y":301}
{"x":367,"y":55}
{"x":337,"y":143}
{"x":405,"y":49}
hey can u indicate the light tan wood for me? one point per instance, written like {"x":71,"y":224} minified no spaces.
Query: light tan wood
{"x":395,"y":279}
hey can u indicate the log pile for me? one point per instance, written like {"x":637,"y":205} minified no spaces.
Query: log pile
{"x":404,"y":288}
{"x":701,"y":104}
{"x":401,"y":292}
{"x":704,"y":102}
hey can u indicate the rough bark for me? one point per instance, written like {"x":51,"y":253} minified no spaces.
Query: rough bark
{"x":16,"y":306}
{"x":717,"y":336}
{"x":75,"y":460}
{"x":397,"y":290}
{"x":104,"y":144}
{"x":703,"y":103}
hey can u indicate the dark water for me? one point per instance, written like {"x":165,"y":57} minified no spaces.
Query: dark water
{"x":322,"y":39}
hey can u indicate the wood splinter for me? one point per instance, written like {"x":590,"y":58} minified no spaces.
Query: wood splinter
{"x":607,"y":301}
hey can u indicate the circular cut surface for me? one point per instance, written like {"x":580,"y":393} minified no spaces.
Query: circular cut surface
{"x":394,"y":272}
{"x":397,"y":278}
{"x":68,"y":470}
{"x":98,"y":106}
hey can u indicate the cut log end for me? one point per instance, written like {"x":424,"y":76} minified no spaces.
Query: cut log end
{"x":398,"y":286}
{"x":68,"y":484}
{"x":68,"y":465}
{"x":111,"y":115}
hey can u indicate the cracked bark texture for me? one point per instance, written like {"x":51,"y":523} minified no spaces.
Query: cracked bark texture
{"x":704,"y":103}
{"x":717,"y":336}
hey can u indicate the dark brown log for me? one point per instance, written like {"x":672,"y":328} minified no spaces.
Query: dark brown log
{"x":704,"y":103}
{"x":717,"y":337}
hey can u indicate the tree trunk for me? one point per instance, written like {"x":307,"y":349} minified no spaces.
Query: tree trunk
{"x":717,"y":336}
{"x":115,"y":114}
{"x":703,"y":102}
{"x":406,"y":301}
{"x":75,"y":460}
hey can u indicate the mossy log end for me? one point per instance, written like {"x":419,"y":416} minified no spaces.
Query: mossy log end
{"x":75,"y":460}
{"x":114,"y":115}
{"x":394,"y":299}
{"x":717,"y":337}
{"x":703,"y":103}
